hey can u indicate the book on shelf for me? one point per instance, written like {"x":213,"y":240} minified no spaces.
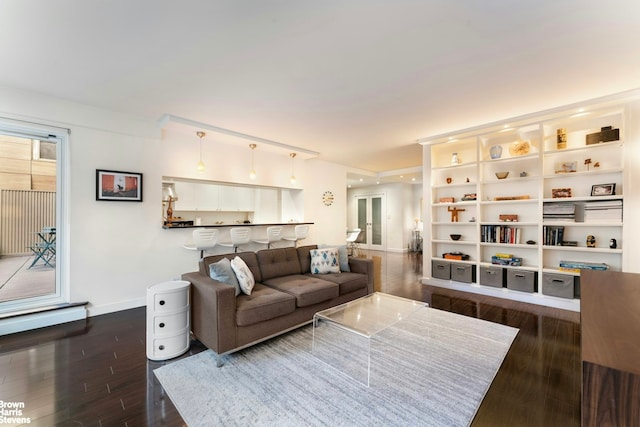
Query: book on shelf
{"x":500,"y":234}
{"x":552,"y":235}
{"x":605,"y":211}
{"x":506,"y":259}
{"x":583,"y":265}
{"x":554,"y":211}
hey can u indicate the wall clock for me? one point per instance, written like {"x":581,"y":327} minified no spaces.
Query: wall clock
{"x":327,"y":198}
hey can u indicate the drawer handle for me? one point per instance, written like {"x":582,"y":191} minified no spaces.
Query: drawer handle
{"x":491,"y":272}
{"x":161,"y":302}
{"x":460,"y":268}
{"x":161,"y":347}
{"x":519,"y":276}
{"x":557,"y":281}
{"x":440,"y":267}
{"x":161,"y":325}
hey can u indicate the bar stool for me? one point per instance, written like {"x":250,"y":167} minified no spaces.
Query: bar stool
{"x":274,"y":234}
{"x":299,"y":233}
{"x":203,"y":239}
{"x":239,"y":236}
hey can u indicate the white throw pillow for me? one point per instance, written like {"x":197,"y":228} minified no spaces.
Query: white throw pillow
{"x":243,"y":274}
{"x":324,"y":261}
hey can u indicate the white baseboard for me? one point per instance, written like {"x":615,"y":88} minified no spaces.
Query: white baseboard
{"x":27,"y":322}
{"x":119,"y":306}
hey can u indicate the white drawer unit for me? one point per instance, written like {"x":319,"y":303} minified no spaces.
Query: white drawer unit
{"x":168,"y":325}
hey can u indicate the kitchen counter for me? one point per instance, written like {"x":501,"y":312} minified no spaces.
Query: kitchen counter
{"x":182,"y":227}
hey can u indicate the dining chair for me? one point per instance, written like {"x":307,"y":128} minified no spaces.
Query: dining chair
{"x":353,"y":247}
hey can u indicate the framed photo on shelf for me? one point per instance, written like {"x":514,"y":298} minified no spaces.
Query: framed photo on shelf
{"x":566,"y":167}
{"x":603,"y":190}
{"x":559,"y":193}
{"x":118,"y":186}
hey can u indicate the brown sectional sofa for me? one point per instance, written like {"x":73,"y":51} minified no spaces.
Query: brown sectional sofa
{"x":286,"y":296}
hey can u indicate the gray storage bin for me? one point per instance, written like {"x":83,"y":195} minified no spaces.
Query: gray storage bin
{"x":492,"y":276}
{"x":463,"y":272}
{"x":441,"y":269}
{"x":558,"y":285}
{"x":521,"y":280}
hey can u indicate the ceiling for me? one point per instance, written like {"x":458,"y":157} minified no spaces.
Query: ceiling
{"x":358,"y":81}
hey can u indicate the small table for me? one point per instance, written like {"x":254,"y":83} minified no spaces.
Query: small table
{"x":45,"y":248}
{"x":342,"y":334}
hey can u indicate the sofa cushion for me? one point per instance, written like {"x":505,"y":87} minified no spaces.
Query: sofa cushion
{"x":307,"y":290}
{"x":324,"y":261}
{"x":304,"y":257}
{"x":222,"y":272}
{"x":243,"y":274}
{"x":348,"y":282}
{"x":278,"y":262}
{"x":263,"y":304}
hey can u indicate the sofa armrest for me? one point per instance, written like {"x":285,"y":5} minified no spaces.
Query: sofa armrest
{"x":213,"y":312}
{"x":363,"y":266}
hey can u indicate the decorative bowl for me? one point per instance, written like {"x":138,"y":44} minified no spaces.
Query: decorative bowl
{"x":502,"y":175}
{"x":455,"y":236}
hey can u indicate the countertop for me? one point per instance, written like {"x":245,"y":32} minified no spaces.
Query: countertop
{"x":166,"y":227}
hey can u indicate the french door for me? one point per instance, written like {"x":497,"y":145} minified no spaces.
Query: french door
{"x":370,"y":219}
{"x":33,"y":217}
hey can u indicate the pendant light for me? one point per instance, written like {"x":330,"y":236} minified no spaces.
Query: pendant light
{"x":200,"y":166}
{"x":293,"y":175}
{"x":252,"y":173}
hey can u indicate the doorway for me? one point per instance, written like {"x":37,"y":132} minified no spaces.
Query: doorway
{"x":30,"y":215}
{"x":369,"y":218}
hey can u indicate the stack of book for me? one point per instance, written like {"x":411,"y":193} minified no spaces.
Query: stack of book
{"x":506,"y":259}
{"x":559,"y":212}
{"x":500,"y":234}
{"x":576,"y":266}
{"x":552,"y":235}
{"x":605,"y":211}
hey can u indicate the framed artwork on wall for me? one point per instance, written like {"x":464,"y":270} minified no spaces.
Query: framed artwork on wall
{"x":118,"y":186}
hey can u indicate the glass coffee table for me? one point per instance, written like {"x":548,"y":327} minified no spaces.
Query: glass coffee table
{"x":342,"y":334}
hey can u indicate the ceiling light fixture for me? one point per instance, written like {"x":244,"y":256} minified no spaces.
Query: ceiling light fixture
{"x":200,"y":166}
{"x":252,"y":174}
{"x":293,"y":176}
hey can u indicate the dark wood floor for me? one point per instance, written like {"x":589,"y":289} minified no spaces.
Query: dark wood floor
{"x":95,"y":372}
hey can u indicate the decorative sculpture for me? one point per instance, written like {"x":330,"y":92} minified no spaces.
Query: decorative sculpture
{"x":454,"y":213}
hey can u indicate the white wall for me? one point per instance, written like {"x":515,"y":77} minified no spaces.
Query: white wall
{"x":400,"y":213}
{"x":117,"y":249}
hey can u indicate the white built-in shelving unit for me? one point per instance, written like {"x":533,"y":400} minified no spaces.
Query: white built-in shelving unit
{"x":537,"y":166}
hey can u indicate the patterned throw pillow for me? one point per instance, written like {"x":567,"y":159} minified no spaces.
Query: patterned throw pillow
{"x":324,"y":261}
{"x":243,"y":274}
{"x":222,"y":272}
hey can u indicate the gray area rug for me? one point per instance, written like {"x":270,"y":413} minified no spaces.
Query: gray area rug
{"x":432,"y":369}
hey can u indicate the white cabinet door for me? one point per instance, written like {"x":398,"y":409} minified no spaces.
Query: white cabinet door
{"x":208,"y":197}
{"x":187,"y":196}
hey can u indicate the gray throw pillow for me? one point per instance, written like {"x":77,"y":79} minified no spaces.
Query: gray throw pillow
{"x":222,"y":272}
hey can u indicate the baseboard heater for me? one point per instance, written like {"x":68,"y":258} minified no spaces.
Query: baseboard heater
{"x":41,"y":317}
